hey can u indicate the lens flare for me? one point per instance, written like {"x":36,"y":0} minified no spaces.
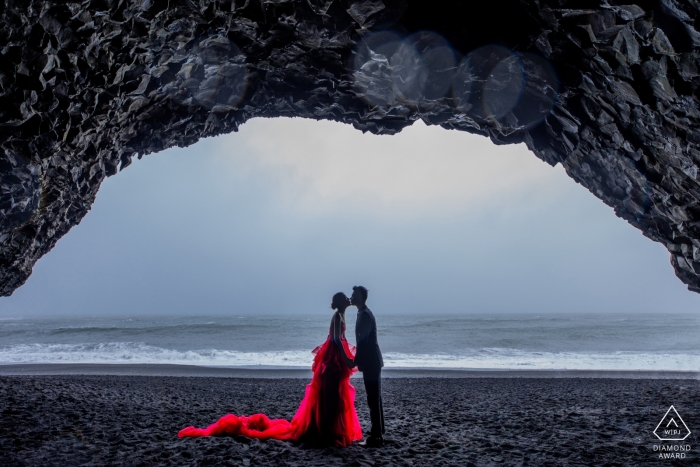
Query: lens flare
{"x":469,"y":82}
{"x":214,"y":76}
{"x":513,"y":90}
{"x":373,"y":74}
{"x":438,"y":63}
{"x":390,"y":69}
{"x":503,"y":87}
{"x":407,"y":73}
{"x":539,"y":93}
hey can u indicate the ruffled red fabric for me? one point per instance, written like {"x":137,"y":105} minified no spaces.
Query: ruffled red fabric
{"x":326,"y":414}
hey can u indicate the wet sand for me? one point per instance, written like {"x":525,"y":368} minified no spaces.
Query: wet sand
{"x":128,"y":420}
{"x":159,"y":369}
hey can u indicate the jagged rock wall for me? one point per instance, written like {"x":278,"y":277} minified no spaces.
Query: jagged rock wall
{"x":607,"y":89}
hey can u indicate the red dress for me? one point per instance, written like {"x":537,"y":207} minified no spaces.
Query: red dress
{"x":326,"y":415}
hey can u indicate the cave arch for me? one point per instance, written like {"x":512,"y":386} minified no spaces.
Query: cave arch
{"x":605,"y":89}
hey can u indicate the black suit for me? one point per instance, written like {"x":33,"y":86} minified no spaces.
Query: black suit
{"x":368,"y":359}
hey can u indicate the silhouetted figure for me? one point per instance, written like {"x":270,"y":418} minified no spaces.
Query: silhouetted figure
{"x":368,"y":359}
{"x":326,"y":414}
{"x":334,"y":420}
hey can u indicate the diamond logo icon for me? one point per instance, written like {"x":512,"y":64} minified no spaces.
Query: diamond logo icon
{"x":672,"y":427}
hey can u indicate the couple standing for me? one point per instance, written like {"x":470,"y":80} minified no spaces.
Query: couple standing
{"x":326,"y":415}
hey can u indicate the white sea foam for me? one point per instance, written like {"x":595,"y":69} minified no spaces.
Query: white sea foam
{"x":493,"y":358}
{"x":508,"y":359}
{"x":137,"y":352}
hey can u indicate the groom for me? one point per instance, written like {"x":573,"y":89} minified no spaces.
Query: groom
{"x":368,"y":359}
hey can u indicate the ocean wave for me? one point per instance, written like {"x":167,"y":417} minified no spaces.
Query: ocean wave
{"x":487,"y":358}
{"x":508,"y":359}
{"x":141,"y":329}
{"x":138,"y":352}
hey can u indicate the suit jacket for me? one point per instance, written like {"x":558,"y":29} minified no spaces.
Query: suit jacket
{"x":367,"y":356}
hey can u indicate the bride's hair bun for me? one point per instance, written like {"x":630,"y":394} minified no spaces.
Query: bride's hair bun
{"x":336,"y":298}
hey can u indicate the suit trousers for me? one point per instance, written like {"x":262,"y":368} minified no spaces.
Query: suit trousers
{"x":373,"y":387}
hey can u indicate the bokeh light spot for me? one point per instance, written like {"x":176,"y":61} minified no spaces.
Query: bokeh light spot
{"x":512,"y":90}
{"x":215,"y":75}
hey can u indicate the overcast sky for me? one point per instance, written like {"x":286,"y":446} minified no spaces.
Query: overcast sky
{"x":278,"y":217}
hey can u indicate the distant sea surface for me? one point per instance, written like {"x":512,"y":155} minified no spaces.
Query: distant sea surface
{"x":593,"y":342}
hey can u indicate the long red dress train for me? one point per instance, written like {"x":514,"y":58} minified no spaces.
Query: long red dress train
{"x":326,"y":415}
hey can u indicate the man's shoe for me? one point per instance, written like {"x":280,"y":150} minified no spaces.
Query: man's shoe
{"x":373,"y":442}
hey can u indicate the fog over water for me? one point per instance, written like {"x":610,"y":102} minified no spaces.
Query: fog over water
{"x":278,"y":217}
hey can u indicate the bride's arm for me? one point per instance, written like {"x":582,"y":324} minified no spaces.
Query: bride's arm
{"x":336,"y":333}
{"x":336,"y":329}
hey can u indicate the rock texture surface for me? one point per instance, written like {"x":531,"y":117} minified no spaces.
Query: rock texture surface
{"x":607,"y":89}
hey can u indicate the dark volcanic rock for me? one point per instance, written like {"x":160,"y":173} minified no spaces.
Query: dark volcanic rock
{"x":610,"y":91}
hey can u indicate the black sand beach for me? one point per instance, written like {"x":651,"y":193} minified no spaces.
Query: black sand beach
{"x":126,"y":420}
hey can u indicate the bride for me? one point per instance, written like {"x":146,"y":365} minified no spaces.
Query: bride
{"x":326,"y":415}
